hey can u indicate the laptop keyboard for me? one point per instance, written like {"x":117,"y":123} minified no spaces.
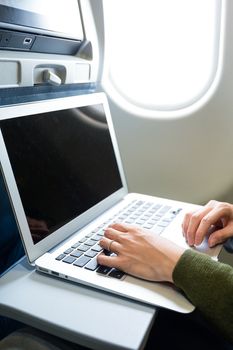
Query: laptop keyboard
{"x":149,"y":215}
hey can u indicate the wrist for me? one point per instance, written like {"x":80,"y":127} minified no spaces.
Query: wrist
{"x":173,"y":254}
{"x":174,"y":262}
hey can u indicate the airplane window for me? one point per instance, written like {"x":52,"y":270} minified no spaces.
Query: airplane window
{"x":161,"y":55}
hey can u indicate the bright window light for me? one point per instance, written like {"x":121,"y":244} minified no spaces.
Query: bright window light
{"x":161,"y":54}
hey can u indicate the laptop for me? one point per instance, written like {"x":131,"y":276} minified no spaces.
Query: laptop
{"x":66,"y":182}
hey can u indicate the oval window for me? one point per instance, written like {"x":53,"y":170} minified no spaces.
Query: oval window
{"x":160,"y":54}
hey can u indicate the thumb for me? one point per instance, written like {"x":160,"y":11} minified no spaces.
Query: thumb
{"x":220,"y":236}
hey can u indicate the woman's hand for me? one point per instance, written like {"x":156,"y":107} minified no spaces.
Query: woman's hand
{"x":139,"y":252}
{"x":214,"y":220}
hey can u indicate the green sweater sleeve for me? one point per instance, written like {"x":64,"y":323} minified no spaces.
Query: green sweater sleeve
{"x":209,"y":286}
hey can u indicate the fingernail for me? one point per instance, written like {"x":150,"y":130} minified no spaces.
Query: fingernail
{"x":190,"y":242}
{"x":211,"y":243}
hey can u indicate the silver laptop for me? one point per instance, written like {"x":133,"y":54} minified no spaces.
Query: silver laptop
{"x":66,"y":182}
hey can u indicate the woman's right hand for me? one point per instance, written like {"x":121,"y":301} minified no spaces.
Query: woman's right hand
{"x":214,"y":221}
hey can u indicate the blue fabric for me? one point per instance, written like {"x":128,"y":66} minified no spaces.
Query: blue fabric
{"x":11,"y":249}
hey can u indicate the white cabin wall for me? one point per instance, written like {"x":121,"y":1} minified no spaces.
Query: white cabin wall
{"x":190,"y":157}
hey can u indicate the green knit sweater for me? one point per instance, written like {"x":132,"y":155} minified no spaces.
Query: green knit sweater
{"x":209,"y":286}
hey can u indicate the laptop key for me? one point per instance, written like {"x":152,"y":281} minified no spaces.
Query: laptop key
{"x":156,"y":217}
{"x":164,"y":209}
{"x":89,"y":235}
{"x":116,"y":274}
{"x":91,"y":253}
{"x":96,"y":238}
{"x":75,"y":245}
{"x":156,"y":206}
{"x":68,"y":251}
{"x":92,"y":265}
{"x":148,"y":226}
{"x":69,"y":260}
{"x":60,"y":257}
{"x":129,"y":221}
{"x":101,"y":233}
{"x":90,"y":242}
{"x":168,"y":219}
{"x":83,"y":240}
{"x":76,"y":254}
{"x":82,"y":261}
{"x":103,"y":270}
{"x":140,"y":222}
{"x":83,"y":248}
{"x":152,"y":222}
{"x":163,"y":223}
{"x":97,"y":248}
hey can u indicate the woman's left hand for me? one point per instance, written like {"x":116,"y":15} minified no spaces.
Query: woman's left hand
{"x":139,"y":252}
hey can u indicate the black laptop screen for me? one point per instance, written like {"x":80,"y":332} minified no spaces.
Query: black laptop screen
{"x":63,"y":163}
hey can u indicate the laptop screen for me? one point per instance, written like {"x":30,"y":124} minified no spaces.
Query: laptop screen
{"x":63,"y":163}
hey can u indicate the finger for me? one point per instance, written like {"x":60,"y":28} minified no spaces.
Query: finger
{"x":214,"y":217}
{"x":119,"y":226}
{"x":194,"y":224}
{"x":210,"y":219}
{"x":187,"y":219}
{"x":114,"y":246}
{"x":185,"y":222}
{"x":220,"y":236}
{"x":110,"y":261}
{"x":113,"y":234}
